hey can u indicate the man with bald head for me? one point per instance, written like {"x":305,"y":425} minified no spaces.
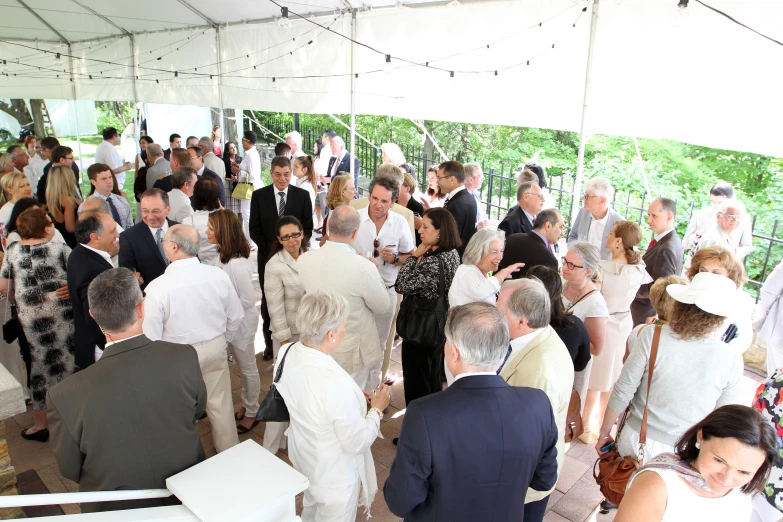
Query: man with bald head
{"x":196,"y":304}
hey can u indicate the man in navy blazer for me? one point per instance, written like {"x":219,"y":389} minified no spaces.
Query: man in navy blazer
{"x":470,"y":452}
{"x":459,"y":202}
{"x":141,"y":246}
{"x":344,"y":166}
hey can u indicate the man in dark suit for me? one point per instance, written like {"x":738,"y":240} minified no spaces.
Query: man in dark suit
{"x":266,"y":206}
{"x":460,"y":202}
{"x":141,"y":246}
{"x":510,"y":445}
{"x":535,"y":247}
{"x":340,"y":163}
{"x":60,"y":156}
{"x":129,"y":421}
{"x":197,"y":164}
{"x":663,"y":257}
{"x":175,"y":142}
{"x":97,"y":235}
{"x":530,"y":202}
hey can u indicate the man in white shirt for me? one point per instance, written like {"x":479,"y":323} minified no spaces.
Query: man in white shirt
{"x":182,"y":180}
{"x":196,"y":304}
{"x":595,"y":219}
{"x":250,"y":169}
{"x":102,"y":179}
{"x":34,"y":170}
{"x":294,"y":140}
{"x":729,"y":218}
{"x":538,"y":359}
{"x":704,"y":221}
{"x":474,"y":179}
{"x":322,"y":165}
{"x":385,"y":238}
{"x":211,"y":161}
{"x":106,"y":153}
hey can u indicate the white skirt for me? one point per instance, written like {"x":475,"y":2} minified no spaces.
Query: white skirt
{"x":628,"y":445}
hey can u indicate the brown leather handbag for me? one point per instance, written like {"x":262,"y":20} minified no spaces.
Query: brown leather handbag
{"x":574,"y":427}
{"x":614,"y":470}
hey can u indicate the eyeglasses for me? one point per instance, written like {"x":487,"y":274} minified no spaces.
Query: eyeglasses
{"x":570,"y":265}
{"x":154,"y":212}
{"x":295,"y":235}
{"x":539,"y":196}
{"x":375,"y":245}
{"x":69,"y":158}
{"x":442,"y":177}
{"x":732,"y":217}
{"x":586,"y":196}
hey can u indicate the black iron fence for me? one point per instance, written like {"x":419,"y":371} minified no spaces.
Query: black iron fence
{"x":500,"y":186}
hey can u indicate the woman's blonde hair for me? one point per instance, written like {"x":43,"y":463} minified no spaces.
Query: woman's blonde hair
{"x":725,"y":257}
{"x":660,"y":298}
{"x":5,"y":160}
{"x":409,"y":182}
{"x":59,"y":188}
{"x":334,"y":198}
{"x":10,"y":181}
{"x":630,"y":234}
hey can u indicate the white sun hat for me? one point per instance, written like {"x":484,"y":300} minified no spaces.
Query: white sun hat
{"x":713,"y":293}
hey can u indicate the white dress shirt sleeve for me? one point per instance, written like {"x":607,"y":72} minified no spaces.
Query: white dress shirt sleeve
{"x":154,"y":315}
{"x":355,"y":433}
{"x":235,"y":314}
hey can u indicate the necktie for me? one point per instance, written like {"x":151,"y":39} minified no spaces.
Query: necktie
{"x":159,"y":241}
{"x":652,"y":243}
{"x":478,"y":206}
{"x":446,"y":203}
{"x":281,"y":206}
{"x":114,"y":213}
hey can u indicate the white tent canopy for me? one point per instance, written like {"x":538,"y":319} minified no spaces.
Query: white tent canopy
{"x":698,"y":78}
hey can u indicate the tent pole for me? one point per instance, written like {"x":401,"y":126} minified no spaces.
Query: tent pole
{"x":136,"y":129}
{"x":220,"y":85}
{"x":76,"y":115}
{"x":353,"y":90}
{"x":580,"y":161}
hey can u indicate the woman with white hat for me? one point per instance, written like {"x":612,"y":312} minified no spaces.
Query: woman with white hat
{"x":694,"y":371}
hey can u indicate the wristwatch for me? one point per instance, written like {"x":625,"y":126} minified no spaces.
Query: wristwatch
{"x":379,"y":412}
{"x":396,"y":259}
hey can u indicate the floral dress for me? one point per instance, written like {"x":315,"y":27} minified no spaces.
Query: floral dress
{"x":769,"y":401}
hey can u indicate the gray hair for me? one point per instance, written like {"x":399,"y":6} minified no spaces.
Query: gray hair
{"x":394,"y":152}
{"x":667,"y":205}
{"x":589,"y":253}
{"x":154,"y":150}
{"x":600,"y":187}
{"x":186,"y":237}
{"x":389,"y":171}
{"x":388,"y":183}
{"x":339,"y":141}
{"x":525,"y":187}
{"x":343,"y":221}
{"x":320,"y":312}
{"x":480,"y":333}
{"x":525,"y":176}
{"x":113,"y":296}
{"x":471,"y":169}
{"x":548,"y":215}
{"x":5,"y":159}
{"x":101,"y":205}
{"x":295,"y":137}
{"x":89,"y":223}
{"x":726,"y":204}
{"x":478,"y":246}
{"x":205,"y":142}
{"x":183,"y":175}
{"x":529,"y":300}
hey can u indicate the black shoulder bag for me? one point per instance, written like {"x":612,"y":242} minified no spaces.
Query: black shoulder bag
{"x":273,"y":408}
{"x":423,"y":321}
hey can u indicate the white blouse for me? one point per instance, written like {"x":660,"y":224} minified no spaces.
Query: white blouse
{"x":470,"y":286}
{"x":240,"y":271}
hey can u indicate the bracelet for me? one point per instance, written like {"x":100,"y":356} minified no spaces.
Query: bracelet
{"x":379,"y":412}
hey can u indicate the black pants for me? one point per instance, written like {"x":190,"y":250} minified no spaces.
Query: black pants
{"x":421,"y":368}
{"x":264,"y":312}
{"x":535,"y":511}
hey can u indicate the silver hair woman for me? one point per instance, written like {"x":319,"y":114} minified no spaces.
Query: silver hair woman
{"x":476,"y":279}
{"x":391,"y":153}
{"x":331,"y":430}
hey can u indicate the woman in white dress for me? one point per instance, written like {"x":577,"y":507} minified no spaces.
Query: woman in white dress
{"x":432,"y":197}
{"x":284,"y":291}
{"x":224,"y":231}
{"x":331,"y":428}
{"x":716,"y":467}
{"x":15,"y":187}
{"x":304,"y":178}
{"x":620,"y":279}
{"x":582,"y":298}
{"x":206,"y":200}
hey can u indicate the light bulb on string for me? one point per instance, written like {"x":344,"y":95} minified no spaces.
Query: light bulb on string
{"x":274,"y":83}
{"x":680,"y":14}
{"x":176,"y":81}
{"x":58,"y":61}
{"x":284,"y":22}
{"x":387,"y":65}
{"x":3,"y":67}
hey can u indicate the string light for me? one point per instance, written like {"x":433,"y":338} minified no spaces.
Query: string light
{"x":3,"y":67}
{"x":387,"y":65}
{"x":57,"y":60}
{"x":284,"y":22}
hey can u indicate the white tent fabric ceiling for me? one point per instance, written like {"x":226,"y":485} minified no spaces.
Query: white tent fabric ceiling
{"x":698,"y":78}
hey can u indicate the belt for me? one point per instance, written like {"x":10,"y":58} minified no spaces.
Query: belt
{"x":620,"y":313}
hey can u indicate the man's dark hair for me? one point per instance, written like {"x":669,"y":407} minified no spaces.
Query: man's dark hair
{"x":539,"y":171}
{"x":173,"y":137}
{"x":50,"y":142}
{"x":548,"y":215}
{"x":191,"y":138}
{"x":109,"y":133}
{"x":12,"y":148}
{"x":330,"y":133}
{"x":407,"y":167}
{"x":388,"y":184}
{"x":89,"y":223}
{"x":250,"y":136}
{"x":722,"y":188}
{"x":60,"y":152}
{"x":197,"y":149}
{"x":181,"y":176}
{"x":668,"y":205}
{"x":453,"y":168}
{"x":281,"y":149}
{"x":157,"y":193}
{"x":280,"y":161}
{"x":95,"y":169}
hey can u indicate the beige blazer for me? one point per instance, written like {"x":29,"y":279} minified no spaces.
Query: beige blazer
{"x":339,"y":267}
{"x":216,"y":165}
{"x":545,"y":364}
{"x":284,"y":291}
{"x":399,"y":209}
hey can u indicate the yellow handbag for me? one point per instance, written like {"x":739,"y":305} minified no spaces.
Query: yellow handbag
{"x":243,"y":190}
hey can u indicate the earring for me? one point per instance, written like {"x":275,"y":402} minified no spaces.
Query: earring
{"x":334,"y":341}
{"x":698,"y":445}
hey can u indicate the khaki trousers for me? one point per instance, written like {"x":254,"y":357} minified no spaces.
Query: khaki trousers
{"x":212,"y":359}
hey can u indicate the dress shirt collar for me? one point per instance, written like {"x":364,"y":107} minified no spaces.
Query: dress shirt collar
{"x":344,"y":245}
{"x":105,"y":255}
{"x":602,"y":220}
{"x":471,"y":374}
{"x":200,"y":171}
{"x":659,"y":236}
{"x":530,"y":216}
{"x":182,"y":263}
{"x":454,"y":192}
{"x":278,"y":191}
{"x":164,"y":228}
{"x":520,"y":343}
{"x":539,"y":234}
{"x":120,"y":341}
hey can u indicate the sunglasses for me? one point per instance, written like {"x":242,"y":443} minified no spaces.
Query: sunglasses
{"x":375,"y":245}
{"x":295,"y":235}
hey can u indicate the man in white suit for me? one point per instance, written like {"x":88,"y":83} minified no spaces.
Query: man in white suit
{"x":358,"y":280}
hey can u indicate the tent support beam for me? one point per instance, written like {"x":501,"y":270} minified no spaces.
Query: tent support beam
{"x":76,"y":117}
{"x":220,"y":82}
{"x":136,"y":129}
{"x":353,"y":89}
{"x":580,"y":160}
{"x":198,"y":13}
{"x":105,"y":19}
{"x":52,"y":29}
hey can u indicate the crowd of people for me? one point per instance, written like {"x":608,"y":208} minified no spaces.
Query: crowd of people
{"x":129,"y":323}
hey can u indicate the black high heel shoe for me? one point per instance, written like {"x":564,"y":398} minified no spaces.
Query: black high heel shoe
{"x":606,"y":507}
{"x":38,"y":436}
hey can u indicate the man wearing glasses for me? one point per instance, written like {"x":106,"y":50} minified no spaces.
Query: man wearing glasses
{"x":595,"y":219}
{"x":60,"y":156}
{"x":730,"y":216}
{"x":520,"y":220}
{"x":461,"y":204}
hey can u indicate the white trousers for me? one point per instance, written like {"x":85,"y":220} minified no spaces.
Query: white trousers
{"x":244,"y":208}
{"x":326,"y":504}
{"x":386,"y":329}
{"x":274,"y":432}
{"x":251,"y":381}
{"x":220,"y":406}
{"x":774,"y":358}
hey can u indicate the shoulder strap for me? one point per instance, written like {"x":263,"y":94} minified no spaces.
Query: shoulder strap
{"x":279,"y":372}
{"x":653,"y":356}
{"x":588,"y":294}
